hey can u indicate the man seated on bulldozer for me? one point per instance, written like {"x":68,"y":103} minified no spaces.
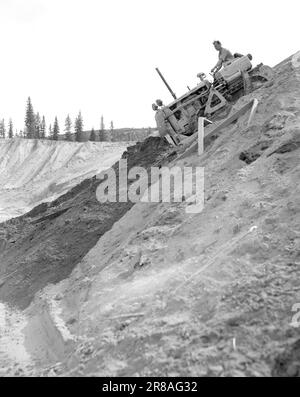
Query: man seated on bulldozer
{"x":225,"y":57}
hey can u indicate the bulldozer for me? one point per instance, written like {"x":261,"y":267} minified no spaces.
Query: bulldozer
{"x":212,"y":99}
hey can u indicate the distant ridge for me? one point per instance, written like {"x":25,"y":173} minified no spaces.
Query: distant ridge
{"x":117,"y":135}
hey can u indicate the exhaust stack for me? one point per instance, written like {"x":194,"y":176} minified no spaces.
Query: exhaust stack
{"x":167,"y":85}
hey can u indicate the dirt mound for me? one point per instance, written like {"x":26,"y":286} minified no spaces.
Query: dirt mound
{"x":45,"y":245}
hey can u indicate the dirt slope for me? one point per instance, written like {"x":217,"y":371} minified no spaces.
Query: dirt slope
{"x":211,"y":294}
{"x":45,"y":245}
{"x":162,"y":293}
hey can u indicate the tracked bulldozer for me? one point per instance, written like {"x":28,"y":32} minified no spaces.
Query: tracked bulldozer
{"x":210,"y":99}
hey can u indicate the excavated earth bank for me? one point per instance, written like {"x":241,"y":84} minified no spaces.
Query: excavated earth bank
{"x":35,"y":171}
{"x":147,"y":289}
{"x":46,"y":244}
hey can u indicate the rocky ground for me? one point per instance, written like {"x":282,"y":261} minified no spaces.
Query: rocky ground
{"x":158,"y":292}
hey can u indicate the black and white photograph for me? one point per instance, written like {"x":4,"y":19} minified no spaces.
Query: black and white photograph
{"x":149,"y":192}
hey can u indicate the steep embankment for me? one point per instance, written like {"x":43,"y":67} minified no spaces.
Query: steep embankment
{"x":45,"y":245}
{"x":32,"y":171}
{"x":166,"y":293}
{"x":163,"y":293}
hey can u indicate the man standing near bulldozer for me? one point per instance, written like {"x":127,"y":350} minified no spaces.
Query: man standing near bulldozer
{"x":225,"y":56}
{"x":162,"y":122}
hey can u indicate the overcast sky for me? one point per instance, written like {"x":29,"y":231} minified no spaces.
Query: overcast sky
{"x":99,"y":56}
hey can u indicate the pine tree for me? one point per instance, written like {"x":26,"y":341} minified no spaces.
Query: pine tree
{"x":68,"y":128}
{"x":10,"y":129}
{"x":2,"y":129}
{"x":43,"y":128}
{"x":37,"y":126}
{"x":93,"y":135}
{"x":50,"y":132}
{"x":102,"y":129}
{"x":55,"y":130}
{"x":30,"y":120}
{"x":110,"y":137}
{"x":78,"y":127}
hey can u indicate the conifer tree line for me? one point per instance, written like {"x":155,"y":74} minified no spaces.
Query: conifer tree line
{"x":35,"y":127}
{"x":6,"y":132}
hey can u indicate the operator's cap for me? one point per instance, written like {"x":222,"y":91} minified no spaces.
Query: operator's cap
{"x":159,"y":102}
{"x":201,"y":75}
{"x":217,"y":42}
